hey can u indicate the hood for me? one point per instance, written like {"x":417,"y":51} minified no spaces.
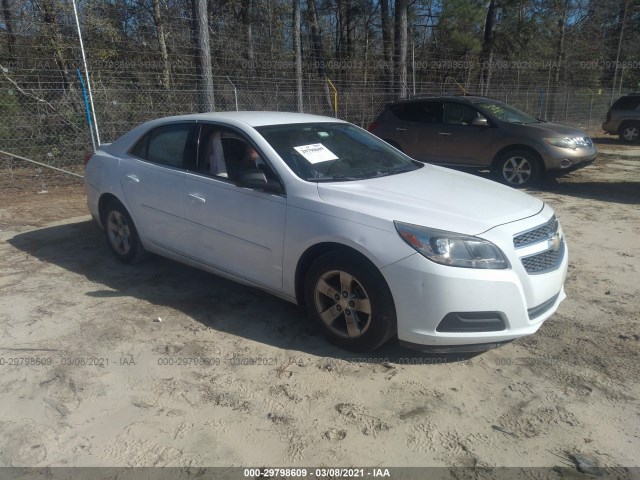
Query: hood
{"x":435,"y":197}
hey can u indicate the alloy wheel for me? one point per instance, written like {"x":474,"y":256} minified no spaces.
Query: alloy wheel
{"x":517,"y":170}
{"x":631,"y":133}
{"x":118,"y":232}
{"x":343,"y":304}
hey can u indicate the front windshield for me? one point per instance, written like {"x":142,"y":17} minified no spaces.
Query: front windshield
{"x":504,"y":112}
{"x":334,"y":151}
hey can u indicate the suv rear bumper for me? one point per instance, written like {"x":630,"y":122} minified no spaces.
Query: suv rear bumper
{"x":611,"y":127}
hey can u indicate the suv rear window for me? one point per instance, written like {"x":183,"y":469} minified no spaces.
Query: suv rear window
{"x":630,"y":102}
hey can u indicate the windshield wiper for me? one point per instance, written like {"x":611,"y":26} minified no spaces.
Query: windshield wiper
{"x":394,"y":171}
{"x":334,"y":178}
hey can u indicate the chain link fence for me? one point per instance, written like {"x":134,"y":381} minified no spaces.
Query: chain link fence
{"x":45,"y":120}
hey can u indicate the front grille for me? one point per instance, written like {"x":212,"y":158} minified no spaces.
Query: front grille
{"x":537,"y":234}
{"x":542,"y":262}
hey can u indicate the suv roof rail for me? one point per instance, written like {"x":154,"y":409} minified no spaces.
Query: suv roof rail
{"x":418,"y":96}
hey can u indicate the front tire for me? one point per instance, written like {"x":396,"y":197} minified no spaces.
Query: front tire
{"x":122,"y":235}
{"x":630,"y":132}
{"x":350,"y":301}
{"x":519,"y":169}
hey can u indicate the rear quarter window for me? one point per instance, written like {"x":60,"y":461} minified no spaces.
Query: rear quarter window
{"x":164,"y":145}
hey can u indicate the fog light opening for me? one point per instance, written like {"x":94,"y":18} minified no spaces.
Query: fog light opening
{"x":565,"y":163}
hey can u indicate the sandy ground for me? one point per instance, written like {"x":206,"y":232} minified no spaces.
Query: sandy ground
{"x":233,"y":376}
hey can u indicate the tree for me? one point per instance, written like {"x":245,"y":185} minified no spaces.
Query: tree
{"x":387,"y":43}
{"x":204,"y":73}
{"x":11,"y":36}
{"x":318,"y":50}
{"x":400,"y":47}
{"x":487,"y":46}
{"x":297,"y":52}
{"x":162,"y":44}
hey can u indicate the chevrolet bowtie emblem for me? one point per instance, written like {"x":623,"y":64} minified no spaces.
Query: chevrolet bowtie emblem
{"x":555,"y":241}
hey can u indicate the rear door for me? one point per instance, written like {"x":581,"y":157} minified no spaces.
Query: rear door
{"x":152,"y":178}
{"x":461,"y":142}
{"x":415,"y":128}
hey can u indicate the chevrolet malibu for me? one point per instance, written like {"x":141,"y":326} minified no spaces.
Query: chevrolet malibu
{"x":322,"y":213}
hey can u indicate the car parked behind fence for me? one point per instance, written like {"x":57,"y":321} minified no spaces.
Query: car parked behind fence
{"x":482,"y":133}
{"x":623,"y":118}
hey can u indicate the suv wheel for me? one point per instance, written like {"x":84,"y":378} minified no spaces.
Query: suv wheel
{"x":630,"y":132}
{"x":519,"y":168}
{"x":350,"y":301}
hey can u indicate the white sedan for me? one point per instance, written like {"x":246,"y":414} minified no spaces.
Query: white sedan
{"x":322,"y":213}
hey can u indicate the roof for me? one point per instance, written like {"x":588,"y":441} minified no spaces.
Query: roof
{"x":457,"y":98}
{"x":237,"y":119}
{"x":256,"y":118}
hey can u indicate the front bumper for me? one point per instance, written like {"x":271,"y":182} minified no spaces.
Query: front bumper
{"x":576,"y":166}
{"x":425,"y":293}
{"x":478,"y":347}
{"x":559,"y":161}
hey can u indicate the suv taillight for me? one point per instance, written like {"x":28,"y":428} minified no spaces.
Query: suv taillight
{"x":87,"y":157}
{"x":373,"y":126}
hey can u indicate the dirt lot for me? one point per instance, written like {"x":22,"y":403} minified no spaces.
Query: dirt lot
{"x":233,"y":376}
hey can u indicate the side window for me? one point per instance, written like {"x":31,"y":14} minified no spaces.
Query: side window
{"x":627,"y":103}
{"x":224,"y":153}
{"x":140,"y":148}
{"x":420,"y":112}
{"x":460,"y":114}
{"x":165,"y":145}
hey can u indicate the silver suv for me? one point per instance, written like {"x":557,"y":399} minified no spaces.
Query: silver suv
{"x":482,"y":133}
{"x":623,"y":118}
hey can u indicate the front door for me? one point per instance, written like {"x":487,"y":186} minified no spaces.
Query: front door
{"x":235,"y":229}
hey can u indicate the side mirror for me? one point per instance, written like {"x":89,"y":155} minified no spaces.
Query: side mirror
{"x":258,"y":180}
{"x":480,"y":122}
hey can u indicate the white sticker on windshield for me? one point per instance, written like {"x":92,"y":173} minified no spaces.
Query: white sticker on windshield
{"x":315,"y":153}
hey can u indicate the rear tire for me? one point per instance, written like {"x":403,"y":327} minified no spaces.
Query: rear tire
{"x":121,"y":233}
{"x":630,"y":132}
{"x":519,"y":168}
{"x":350,"y":301}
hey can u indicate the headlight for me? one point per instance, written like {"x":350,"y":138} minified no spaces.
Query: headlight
{"x":568,"y":142}
{"x":454,"y":249}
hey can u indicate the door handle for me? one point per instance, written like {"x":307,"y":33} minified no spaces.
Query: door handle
{"x":133,"y":179}
{"x":195,"y":196}
{"x":446,"y":134}
{"x":400,"y":129}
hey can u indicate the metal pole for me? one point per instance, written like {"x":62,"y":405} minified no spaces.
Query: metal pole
{"x":87,"y":109}
{"x":235,"y":92}
{"x":86,"y":71}
{"x":2,"y":152}
{"x":335,"y":98}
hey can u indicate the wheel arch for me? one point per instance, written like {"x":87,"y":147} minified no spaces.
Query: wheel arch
{"x":314,"y":252}
{"x":106,"y":199}
{"x":516,"y":146}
